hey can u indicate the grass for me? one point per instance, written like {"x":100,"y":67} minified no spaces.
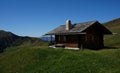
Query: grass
{"x":47,"y":60}
{"x":30,"y":57}
{"x":113,"y":40}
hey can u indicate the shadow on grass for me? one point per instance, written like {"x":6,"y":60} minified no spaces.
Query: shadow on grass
{"x":111,"y":47}
{"x":105,"y":47}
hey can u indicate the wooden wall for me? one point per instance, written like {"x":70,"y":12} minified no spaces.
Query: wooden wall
{"x":85,"y":41}
{"x":93,"y":39}
{"x":70,"y":40}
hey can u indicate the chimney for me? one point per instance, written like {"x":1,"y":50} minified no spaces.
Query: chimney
{"x":68,"y":25}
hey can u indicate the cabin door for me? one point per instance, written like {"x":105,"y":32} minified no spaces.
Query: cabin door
{"x":81,"y":40}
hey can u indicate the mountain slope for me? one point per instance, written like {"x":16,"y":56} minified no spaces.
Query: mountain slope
{"x":113,"y":40}
{"x":41,"y":59}
{"x":49,"y":60}
{"x":8,"y":39}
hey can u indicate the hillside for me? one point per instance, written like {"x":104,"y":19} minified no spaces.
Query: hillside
{"x":113,"y":40}
{"x":33,"y":56}
{"x":8,"y":39}
{"x":49,"y":60}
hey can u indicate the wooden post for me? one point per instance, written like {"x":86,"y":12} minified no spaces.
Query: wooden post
{"x":81,"y":47}
{"x":51,"y":39}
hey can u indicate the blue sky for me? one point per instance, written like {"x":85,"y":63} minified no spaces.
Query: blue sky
{"x":37,"y":17}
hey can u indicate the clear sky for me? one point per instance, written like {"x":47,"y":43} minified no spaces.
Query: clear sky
{"x":37,"y":17}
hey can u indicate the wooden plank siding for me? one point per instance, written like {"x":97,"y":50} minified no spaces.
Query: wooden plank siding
{"x":81,"y":35}
{"x":70,"y":40}
{"x":85,"y":41}
{"x":94,"y":38}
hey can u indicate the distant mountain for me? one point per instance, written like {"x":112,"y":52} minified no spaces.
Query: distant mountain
{"x":8,"y":39}
{"x":48,"y":39}
{"x":114,"y":26}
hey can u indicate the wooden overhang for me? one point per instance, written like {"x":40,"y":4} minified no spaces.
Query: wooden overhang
{"x":78,"y":28}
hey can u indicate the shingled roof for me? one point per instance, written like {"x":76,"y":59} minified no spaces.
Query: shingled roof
{"x":77,"y":28}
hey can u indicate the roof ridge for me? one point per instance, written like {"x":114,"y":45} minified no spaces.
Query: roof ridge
{"x":86,"y":22}
{"x":76,"y":27}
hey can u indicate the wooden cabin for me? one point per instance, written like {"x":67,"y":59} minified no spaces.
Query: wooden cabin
{"x":80,"y":35}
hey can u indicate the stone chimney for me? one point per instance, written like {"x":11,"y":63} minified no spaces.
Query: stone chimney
{"x":68,"y":25}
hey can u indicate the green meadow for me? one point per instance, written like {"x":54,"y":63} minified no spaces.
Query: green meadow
{"x":36,"y":57}
{"x":41,"y":59}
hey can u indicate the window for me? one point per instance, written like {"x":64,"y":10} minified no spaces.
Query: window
{"x":62,"y":38}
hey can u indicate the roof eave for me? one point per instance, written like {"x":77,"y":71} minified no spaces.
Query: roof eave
{"x":71,"y":33}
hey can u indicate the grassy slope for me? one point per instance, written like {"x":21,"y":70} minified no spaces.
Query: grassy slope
{"x":113,"y":40}
{"x":41,"y":59}
{"x":47,"y":60}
